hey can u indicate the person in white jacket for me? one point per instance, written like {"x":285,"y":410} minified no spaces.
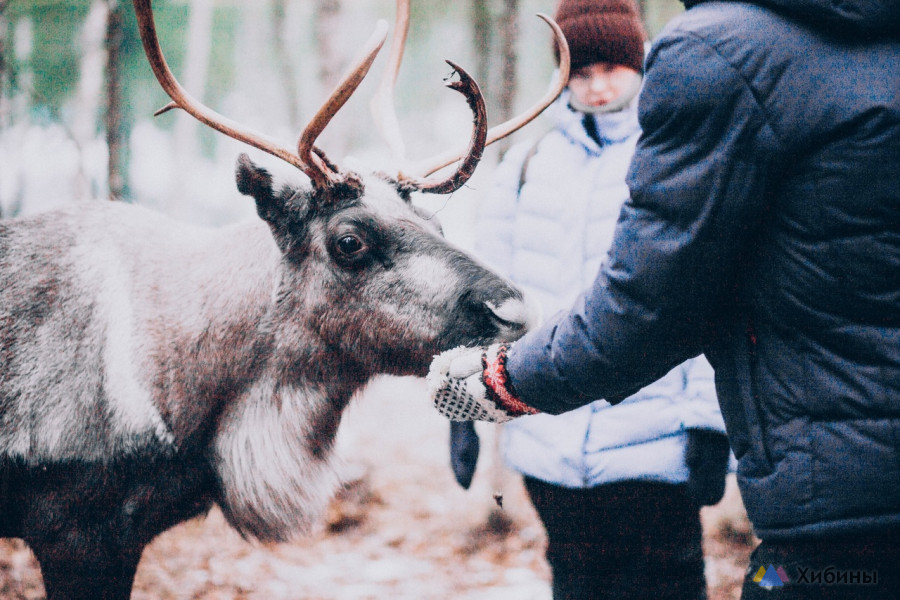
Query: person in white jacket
{"x":618,"y":491}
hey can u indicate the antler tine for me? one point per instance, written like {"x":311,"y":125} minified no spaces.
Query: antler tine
{"x":385,"y":115}
{"x":386,"y":122}
{"x":382,"y":103}
{"x":308,"y":159}
{"x":466,"y":86}
{"x":498,"y":132}
{"x":182,"y":99}
{"x":345,"y":88}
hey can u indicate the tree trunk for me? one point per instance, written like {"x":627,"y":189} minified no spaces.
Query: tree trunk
{"x":509,"y":35}
{"x":285,"y":64}
{"x":482,"y":34}
{"x":328,"y":41}
{"x":193,"y":77}
{"x":3,"y":108}
{"x":4,"y":28}
{"x":327,"y":18}
{"x":116,"y":143}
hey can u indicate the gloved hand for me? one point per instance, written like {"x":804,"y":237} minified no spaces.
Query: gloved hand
{"x":464,"y":448}
{"x":706,"y":455}
{"x":472,"y":384}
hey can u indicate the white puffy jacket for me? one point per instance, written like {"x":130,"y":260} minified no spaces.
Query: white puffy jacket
{"x":550,"y":238}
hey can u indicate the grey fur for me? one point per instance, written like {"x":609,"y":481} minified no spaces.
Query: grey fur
{"x":125,"y":334}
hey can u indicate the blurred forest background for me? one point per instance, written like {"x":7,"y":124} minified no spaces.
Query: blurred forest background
{"x":76,"y":103}
{"x":77,"y":95}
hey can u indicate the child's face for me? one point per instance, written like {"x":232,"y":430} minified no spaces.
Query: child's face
{"x":600,"y":83}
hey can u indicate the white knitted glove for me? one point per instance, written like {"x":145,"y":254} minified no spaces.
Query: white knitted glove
{"x":471,"y":384}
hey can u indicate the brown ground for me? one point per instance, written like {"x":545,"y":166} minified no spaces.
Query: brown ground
{"x":403,"y":530}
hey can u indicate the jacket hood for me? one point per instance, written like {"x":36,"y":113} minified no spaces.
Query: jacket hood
{"x":837,"y":16}
{"x":612,"y":128}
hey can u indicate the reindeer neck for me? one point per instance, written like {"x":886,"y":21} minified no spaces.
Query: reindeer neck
{"x":273,"y":456}
{"x":210,"y":323}
{"x":249,"y":325}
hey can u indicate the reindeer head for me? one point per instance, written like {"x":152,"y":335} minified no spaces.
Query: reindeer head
{"x":371,"y":277}
{"x":364,"y":284}
{"x":365,"y":270}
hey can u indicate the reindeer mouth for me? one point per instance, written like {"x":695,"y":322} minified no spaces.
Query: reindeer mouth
{"x":513,"y":318}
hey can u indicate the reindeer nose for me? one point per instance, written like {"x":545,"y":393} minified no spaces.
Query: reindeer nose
{"x":514,"y":317}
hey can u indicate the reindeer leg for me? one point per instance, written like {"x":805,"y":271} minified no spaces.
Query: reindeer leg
{"x":103,"y":578}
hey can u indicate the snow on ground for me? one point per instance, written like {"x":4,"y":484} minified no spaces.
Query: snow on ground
{"x":402,"y":529}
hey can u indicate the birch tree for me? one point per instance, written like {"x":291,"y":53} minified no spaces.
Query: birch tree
{"x":508,"y":38}
{"x":286,"y":67}
{"x":495,"y":39}
{"x":82,"y":127}
{"x":482,"y":37}
{"x":4,"y":28}
{"x":114,"y":120}
{"x":196,"y":67}
{"x":328,"y":41}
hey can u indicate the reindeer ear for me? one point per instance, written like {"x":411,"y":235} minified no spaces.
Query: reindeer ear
{"x":285,"y":216}
{"x":256,"y":182}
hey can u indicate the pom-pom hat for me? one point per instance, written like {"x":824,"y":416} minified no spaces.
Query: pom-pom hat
{"x":602,"y":31}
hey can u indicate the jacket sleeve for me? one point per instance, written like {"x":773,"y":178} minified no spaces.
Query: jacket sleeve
{"x":696,"y":184}
{"x":701,"y":407}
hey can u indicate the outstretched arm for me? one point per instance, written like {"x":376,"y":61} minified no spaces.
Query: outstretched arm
{"x":696,"y":182}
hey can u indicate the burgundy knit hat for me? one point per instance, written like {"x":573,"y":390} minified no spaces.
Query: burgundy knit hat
{"x":602,"y":30}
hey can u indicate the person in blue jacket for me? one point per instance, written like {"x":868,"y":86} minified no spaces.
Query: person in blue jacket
{"x":763,"y":231}
{"x":618,"y":490}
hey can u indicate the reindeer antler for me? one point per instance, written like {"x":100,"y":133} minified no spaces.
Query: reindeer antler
{"x":387,"y":123}
{"x":382,"y":103}
{"x":498,"y":132}
{"x":472,"y":156}
{"x":309,"y":159}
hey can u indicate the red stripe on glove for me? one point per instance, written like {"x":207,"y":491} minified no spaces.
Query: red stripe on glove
{"x":499,"y":387}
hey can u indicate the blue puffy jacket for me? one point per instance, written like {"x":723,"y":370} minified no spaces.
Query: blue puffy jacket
{"x":763,"y":230}
{"x":548,"y":226}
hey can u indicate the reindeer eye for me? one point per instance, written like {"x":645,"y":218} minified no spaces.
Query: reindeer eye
{"x":350,"y":245}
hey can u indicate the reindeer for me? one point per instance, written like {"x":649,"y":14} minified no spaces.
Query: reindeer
{"x":151,"y":369}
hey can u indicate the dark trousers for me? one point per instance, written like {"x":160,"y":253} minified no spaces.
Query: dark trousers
{"x":860,"y":567}
{"x":625,"y":540}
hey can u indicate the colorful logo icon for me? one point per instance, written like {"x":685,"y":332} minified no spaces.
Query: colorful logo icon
{"x":770,"y":577}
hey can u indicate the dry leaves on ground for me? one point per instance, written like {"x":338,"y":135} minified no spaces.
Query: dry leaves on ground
{"x":401,"y":529}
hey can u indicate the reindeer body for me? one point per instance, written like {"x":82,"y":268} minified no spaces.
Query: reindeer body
{"x":91,"y":471}
{"x":151,"y":368}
